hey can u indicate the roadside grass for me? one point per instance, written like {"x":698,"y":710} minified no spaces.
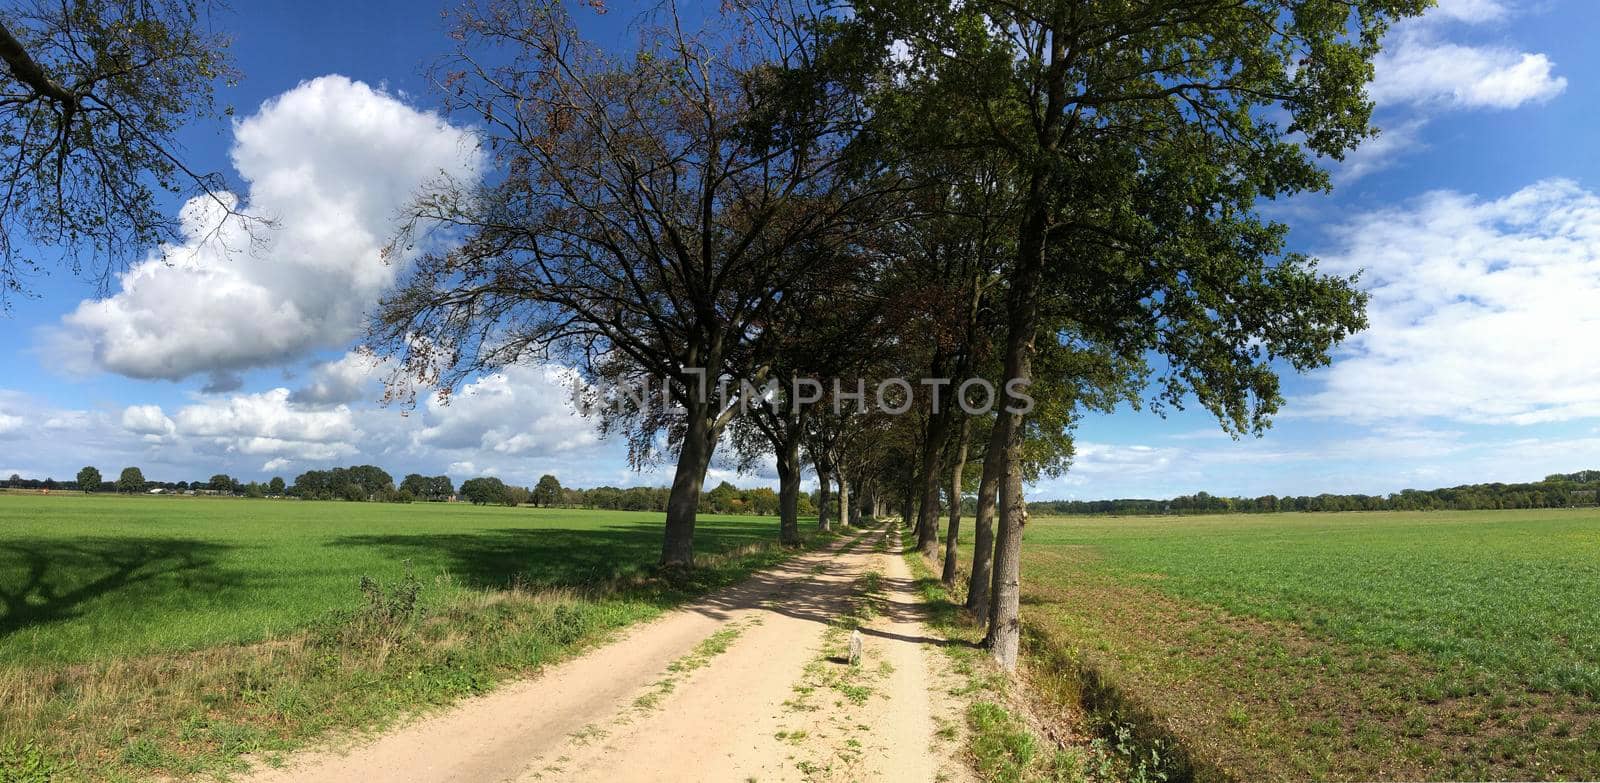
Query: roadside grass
{"x":708,"y":648}
{"x":340,"y":651}
{"x":1339,"y":646}
{"x":1003,"y":743}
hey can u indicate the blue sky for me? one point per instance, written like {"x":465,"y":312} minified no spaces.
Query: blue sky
{"x":1476,"y":217}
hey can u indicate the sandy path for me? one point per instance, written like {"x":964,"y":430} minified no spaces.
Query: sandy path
{"x":738,"y":686}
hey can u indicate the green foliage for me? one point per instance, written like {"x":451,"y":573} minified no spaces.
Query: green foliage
{"x":484,"y":491}
{"x":547,"y":492}
{"x":1002,"y":747}
{"x":89,"y":479}
{"x":357,"y":483}
{"x":1137,"y":146}
{"x":385,"y":615}
{"x":433,"y":488}
{"x":25,"y":763}
{"x":131,"y":480}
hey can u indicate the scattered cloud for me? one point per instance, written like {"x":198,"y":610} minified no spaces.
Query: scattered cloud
{"x":1422,"y":70}
{"x":330,"y":162}
{"x":1380,"y":153}
{"x":222,"y":383}
{"x":1096,"y":462}
{"x":516,"y":423}
{"x":268,"y":424}
{"x":10,"y":424}
{"x":1470,"y":11}
{"x":149,"y":421}
{"x":520,"y":411}
{"x":1419,"y":66}
{"x":347,"y":379}
{"x":1481,"y":311}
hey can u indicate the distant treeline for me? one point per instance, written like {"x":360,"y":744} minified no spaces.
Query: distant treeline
{"x":1561,"y":490}
{"x":370,"y":483}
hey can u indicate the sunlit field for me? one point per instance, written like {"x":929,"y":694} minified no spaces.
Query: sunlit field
{"x":83,"y":578}
{"x":1362,"y":645}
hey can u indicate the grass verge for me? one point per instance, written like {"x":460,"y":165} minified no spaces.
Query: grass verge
{"x":1004,"y":743}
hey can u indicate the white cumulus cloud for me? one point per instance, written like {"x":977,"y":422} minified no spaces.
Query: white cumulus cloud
{"x":1418,"y":66}
{"x":349,"y":378}
{"x":1482,"y":311}
{"x":268,"y":424}
{"x":1422,"y":71}
{"x":521,"y":410}
{"x":147,"y":420}
{"x":331,"y":162}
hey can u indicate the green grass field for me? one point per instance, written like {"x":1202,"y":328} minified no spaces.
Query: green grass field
{"x":1349,"y":646}
{"x":85,"y":578}
{"x":148,"y":636}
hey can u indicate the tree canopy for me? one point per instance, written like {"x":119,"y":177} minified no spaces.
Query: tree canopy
{"x":92,"y":95}
{"x":131,"y":480}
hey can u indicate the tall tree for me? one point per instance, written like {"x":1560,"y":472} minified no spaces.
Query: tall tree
{"x":547,"y":492}
{"x":1144,"y":134}
{"x":92,"y":95}
{"x":417,"y":485}
{"x":644,"y":214}
{"x":89,"y":479}
{"x":484,"y":491}
{"x":131,"y":480}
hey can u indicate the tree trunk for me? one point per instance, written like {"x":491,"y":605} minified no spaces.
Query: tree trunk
{"x":822,"y":496}
{"x":1005,"y":626}
{"x":908,"y":503}
{"x":932,"y":458}
{"x":677,"y":550}
{"x":844,"y":500}
{"x":953,"y":532}
{"x":855,"y":508}
{"x":983,"y":537}
{"x":789,"y":493}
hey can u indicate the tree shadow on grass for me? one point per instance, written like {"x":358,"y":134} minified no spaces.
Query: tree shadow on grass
{"x":496,"y":558}
{"x":48,"y":581}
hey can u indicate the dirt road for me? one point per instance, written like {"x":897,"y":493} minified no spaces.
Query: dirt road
{"x":751,"y":683}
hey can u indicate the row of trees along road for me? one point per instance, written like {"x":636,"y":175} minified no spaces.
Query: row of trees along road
{"x":1039,"y":192}
{"x":1049,"y":192}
